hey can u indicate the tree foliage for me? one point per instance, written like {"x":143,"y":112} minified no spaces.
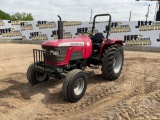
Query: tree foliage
{"x":17,"y":16}
{"x":22,"y":16}
{"x":4,"y":16}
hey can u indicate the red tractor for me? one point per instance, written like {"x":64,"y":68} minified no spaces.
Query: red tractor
{"x":69,"y":57}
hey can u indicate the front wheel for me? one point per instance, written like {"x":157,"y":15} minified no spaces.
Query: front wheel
{"x":74,"y":85}
{"x":35,"y":77}
{"x":112,"y":62}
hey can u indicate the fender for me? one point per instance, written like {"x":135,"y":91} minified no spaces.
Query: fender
{"x":108,"y":42}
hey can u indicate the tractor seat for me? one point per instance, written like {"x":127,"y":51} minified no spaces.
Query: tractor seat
{"x":98,"y":38}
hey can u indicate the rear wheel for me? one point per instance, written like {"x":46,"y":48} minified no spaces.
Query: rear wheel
{"x":74,"y":85}
{"x":35,"y":77}
{"x":112,"y":62}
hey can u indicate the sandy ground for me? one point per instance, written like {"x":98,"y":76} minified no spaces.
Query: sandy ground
{"x":135,"y":95}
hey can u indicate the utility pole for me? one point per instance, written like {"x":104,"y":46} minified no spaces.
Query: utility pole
{"x":158,"y":12}
{"x":147,"y":12}
{"x":91,"y":16}
{"x":130,"y":16}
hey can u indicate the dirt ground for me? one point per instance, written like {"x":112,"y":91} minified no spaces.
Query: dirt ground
{"x":135,"y":95}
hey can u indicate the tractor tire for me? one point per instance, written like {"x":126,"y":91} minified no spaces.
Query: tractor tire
{"x":112,"y":62}
{"x":74,"y":85}
{"x":35,"y":77}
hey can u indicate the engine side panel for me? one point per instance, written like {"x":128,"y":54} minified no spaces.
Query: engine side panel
{"x":76,"y":55}
{"x":75,"y":52}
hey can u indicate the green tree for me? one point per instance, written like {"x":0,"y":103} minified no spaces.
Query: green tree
{"x":22,"y":16}
{"x":4,"y":16}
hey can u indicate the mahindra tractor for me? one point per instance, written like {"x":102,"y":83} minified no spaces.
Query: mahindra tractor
{"x":68,"y":59}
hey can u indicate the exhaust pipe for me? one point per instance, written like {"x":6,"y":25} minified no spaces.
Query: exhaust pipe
{"x":60,"y":28}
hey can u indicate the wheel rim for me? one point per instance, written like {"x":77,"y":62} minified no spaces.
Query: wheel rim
{"x":40,"y":76}
{"x":117,"y":62}
{"x":79,"y":86}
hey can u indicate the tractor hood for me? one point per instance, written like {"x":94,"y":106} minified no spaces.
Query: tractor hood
{"x":78,"y":41}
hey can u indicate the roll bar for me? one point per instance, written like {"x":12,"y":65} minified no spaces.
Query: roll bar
{"x":94,"y":20}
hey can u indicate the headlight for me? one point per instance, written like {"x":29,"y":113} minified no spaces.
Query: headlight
{"x":55,"y":52}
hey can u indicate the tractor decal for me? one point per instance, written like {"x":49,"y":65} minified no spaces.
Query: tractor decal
{"x":72,"y":44}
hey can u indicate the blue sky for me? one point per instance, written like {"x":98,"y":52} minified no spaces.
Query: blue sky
{"x":80,"y":9}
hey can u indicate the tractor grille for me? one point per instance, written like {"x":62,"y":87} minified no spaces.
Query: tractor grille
{"x":43,"y":59}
